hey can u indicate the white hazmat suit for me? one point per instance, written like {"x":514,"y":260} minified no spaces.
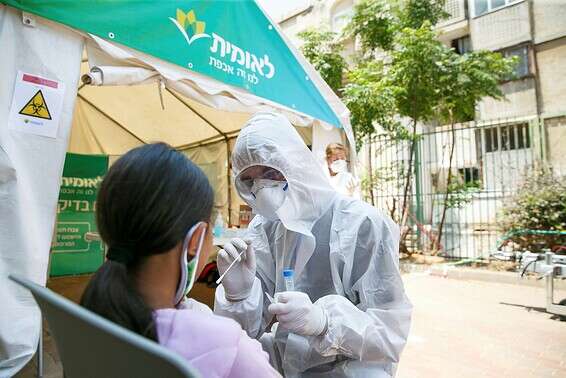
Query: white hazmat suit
{"x":345,"y":257}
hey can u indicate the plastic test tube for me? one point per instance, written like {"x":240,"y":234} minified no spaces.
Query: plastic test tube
{"x":288,"y":276}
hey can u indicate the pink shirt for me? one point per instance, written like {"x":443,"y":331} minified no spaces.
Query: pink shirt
{"x":213,"y":345}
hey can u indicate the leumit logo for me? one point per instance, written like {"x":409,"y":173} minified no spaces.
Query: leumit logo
{"x":191,"y":28}
{"x":225,"y":55}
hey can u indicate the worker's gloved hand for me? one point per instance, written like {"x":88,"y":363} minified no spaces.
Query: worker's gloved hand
{"x":239,"y":280}
{"x":296,"y":312}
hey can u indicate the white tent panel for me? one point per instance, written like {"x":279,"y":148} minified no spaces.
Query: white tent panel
{"x":30,"y":173}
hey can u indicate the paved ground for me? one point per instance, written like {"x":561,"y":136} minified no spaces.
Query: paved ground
{"x":477,"y":329}
{"x":461,"y":329}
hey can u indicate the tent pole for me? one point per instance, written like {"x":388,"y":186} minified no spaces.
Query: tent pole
{"x":208,"y":141}
{"x":196,"y":112}
{"x":205,"y":142}
{"x":229,"y":179}
{"x":110,"y":118}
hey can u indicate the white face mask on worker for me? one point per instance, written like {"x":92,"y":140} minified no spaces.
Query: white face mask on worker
{"x":339,"y":166}
{"x":268,"y":195}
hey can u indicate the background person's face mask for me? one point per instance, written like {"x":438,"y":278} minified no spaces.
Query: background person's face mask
{"x":339,"y":166}
{"x":189,"y":268}
{"x":268,"y":196}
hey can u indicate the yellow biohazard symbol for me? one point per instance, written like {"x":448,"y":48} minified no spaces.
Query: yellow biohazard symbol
{"x":36,"y":107}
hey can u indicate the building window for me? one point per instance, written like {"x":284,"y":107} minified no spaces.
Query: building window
{"x":522,"y":68}
{"x":462,"y":45}
{"x":491,"y":140}
{"x":470,"y":176}
{"x":456,"y":9}
{"x":484,"y":6}
{"x":341,"y":15}
{"x":507,"y":138}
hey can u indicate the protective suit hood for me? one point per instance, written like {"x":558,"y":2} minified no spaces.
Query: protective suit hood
{"x":269,"y":139}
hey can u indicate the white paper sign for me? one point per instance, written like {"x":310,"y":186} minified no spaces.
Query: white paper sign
{"x":36,"y":105}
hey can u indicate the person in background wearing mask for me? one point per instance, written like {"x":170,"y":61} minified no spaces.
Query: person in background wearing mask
{"x":153,"y":212}
{"x":349,"y":315}
{"x":340,"y":179}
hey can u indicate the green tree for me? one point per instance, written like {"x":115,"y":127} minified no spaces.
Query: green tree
{"x":414,"y":13}
{"x":404,"y":77}
{"x":416,"y":68}
{"x":374,"y":23}
{"x":323,"y":51}
{"x":371,"y":100}
{"x":407,"y":74}
{"x":466,"y":79}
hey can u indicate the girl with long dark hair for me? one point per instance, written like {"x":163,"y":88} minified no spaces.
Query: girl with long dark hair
{"x":153,"y":212}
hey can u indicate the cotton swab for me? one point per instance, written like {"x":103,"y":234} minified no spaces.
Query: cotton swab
{"x":231,"y":265}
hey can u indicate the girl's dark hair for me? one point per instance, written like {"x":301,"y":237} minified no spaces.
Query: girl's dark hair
{"x":148,"y":201}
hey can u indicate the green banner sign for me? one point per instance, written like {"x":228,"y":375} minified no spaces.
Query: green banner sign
{"x":231,"y":41}
{"x":77,"y":247}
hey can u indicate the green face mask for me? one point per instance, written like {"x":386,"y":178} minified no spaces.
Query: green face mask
{"x":191,"y":273}
{"x":189,"y":269}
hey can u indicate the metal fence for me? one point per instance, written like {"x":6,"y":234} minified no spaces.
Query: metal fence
{"x":489,"y":163}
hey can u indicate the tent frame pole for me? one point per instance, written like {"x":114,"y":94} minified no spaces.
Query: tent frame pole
{"x":229,"y":180}
{"x":196,"y":112}
{"x":206,"y":142}
{"x":110,"y":118}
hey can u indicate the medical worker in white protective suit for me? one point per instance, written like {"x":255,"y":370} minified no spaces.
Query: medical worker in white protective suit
{"x":349,"y":316}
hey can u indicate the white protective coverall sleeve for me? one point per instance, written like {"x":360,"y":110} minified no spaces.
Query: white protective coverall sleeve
{"x":247,"y":312}
{"x":377,"y":327}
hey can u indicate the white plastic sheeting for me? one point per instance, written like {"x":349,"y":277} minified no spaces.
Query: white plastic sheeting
{"x":30,"y":173}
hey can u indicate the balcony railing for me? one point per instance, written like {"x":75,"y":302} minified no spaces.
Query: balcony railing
{"x":456,"y":10}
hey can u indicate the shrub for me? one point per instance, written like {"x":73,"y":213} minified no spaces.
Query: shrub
{"x":538,"y":205}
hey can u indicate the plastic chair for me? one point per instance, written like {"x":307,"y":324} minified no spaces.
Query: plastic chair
{"x":91,"y":346}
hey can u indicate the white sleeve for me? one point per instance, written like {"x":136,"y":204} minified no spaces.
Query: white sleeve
{"x":377,"y":334}
{"x":377,"y":327}
{"x":247,"y":312}
{"x":192,"y":304}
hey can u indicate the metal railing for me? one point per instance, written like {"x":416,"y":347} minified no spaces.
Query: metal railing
{"x":489,"y":162}
{"x":456,"y":10}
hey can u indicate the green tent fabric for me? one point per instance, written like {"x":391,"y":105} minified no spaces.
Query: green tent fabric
{"x":231,"y":41}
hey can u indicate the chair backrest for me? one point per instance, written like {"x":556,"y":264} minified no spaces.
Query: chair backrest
{"x":91,"y":346}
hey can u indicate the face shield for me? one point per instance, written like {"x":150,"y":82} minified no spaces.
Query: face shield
{"x":269,"y":147}
{"x":263,"y":188}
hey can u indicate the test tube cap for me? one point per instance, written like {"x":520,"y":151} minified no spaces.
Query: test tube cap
{"x":288,"y":273}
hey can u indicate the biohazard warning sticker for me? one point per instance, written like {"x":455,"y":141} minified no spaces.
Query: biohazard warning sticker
{"x":36,"y":105}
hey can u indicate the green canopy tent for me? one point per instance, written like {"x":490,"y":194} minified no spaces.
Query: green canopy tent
{"x":126,"y":73}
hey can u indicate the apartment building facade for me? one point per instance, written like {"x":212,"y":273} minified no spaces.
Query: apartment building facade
{"x":496,"y":149}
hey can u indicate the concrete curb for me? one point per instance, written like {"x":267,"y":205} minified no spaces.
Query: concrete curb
{"x":512,"y":278}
